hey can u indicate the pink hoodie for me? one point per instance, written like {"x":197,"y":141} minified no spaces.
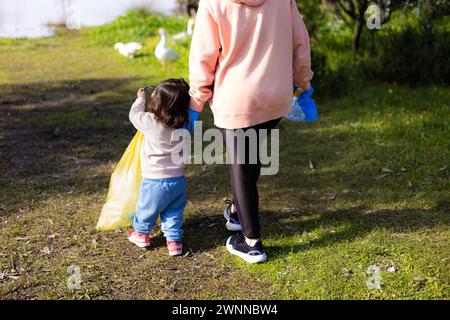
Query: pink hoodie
{"x":245,"y":56}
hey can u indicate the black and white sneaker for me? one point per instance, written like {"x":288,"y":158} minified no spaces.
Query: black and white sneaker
{"x":236,"y":245}
{"x":232,"y":218}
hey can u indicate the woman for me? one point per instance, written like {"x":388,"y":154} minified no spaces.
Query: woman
{"x":245,"y":57}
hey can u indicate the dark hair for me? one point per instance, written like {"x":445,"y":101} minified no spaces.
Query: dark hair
{"x":170,"y":103}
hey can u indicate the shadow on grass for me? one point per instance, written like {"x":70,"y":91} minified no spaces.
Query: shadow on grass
{"x":207,"y":231}
{"x":345,"y":225}
{"x":51,"y":133}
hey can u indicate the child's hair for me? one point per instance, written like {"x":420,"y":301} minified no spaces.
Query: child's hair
{"x":170,"y":103}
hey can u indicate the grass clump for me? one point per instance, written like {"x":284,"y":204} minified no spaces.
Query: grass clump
{"x":135,"y":25}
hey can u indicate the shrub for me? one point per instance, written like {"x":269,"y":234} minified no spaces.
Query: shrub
{"x":414,"y":57}
{"x":135,"y":25}
{"x":331,"y":78}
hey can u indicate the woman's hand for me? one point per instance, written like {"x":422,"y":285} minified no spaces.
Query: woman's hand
{"x":141,"y":93}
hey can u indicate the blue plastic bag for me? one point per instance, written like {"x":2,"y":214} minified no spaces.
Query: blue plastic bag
{"x":304,"y":108}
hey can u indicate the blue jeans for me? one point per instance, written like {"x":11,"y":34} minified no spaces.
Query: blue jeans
{"x":162,"y":197}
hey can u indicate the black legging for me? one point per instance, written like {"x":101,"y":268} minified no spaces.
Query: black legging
{"x":244,"y":178}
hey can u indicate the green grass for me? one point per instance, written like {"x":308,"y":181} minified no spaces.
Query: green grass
{"x":377,"y":192}
{"x":137,"y":24}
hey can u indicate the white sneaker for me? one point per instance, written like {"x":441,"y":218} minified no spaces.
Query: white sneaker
{"x":237,"y":246}
{"x":232,"y":218}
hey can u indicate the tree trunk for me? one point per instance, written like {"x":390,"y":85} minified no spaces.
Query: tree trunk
{"x":357,"y":35}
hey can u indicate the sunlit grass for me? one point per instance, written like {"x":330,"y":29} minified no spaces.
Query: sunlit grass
{"x":368,"y":185}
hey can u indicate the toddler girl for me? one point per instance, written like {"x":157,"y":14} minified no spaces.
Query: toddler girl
{"x":163,"y":189}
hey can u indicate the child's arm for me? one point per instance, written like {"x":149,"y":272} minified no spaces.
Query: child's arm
{"x":140,"y":119}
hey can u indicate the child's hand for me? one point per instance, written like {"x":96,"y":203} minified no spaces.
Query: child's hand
{"x":141,"y":93}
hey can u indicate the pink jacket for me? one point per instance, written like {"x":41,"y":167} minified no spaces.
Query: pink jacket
{"x":244,"y":58}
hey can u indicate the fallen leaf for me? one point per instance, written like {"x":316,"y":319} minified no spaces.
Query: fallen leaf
{"x":346,"y":272}
{"x":187,"y":254}
{"x":419,"y":279}
{"x":21,"y":238}
{"x":386,"y":170}
{"x":94,"y":243}
{"x":45,"y":250}
{"x":311,"y":165}
{"x":442,"y":169}
{"x":2,"y":275}
{"x":210,"y":255}
{"x":57,"y":131}
{"x":282,"y":273}
{"x":382,"y":176}
{"x":391,"y":267}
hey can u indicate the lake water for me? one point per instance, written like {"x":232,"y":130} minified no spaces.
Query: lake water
{"x":30,"y":18}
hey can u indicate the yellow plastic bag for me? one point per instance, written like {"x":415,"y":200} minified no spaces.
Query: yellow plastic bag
{"x":124,"y":189}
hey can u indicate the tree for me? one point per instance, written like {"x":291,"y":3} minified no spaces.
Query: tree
{"x":431,"y":10}
{"x":354,"y":13}
{"x":314,"y":14}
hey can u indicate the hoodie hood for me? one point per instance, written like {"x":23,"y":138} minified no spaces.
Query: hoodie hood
{"x":250,"y":3}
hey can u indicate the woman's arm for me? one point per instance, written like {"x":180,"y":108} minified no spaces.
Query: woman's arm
{"x":205,"y":50}
{"x":302,"y":50}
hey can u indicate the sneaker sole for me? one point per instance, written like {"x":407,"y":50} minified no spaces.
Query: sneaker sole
{"x":245,"y":257}
{"x":140,"y":244}
{"x":231,"y":226}
{"x":174,"y":254}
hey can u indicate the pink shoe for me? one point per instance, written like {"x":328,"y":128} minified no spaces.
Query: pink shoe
{"x":175,"y":248}
{"x":139,"y":239}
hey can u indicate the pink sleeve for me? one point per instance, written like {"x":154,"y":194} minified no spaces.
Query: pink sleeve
{"x":302,"y":50}
{"x":205,"y":51}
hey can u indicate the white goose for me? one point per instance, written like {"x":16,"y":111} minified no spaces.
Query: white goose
{"x":128,"y":49}
{"x":163,"y":53}
{"x":185,"y":35}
